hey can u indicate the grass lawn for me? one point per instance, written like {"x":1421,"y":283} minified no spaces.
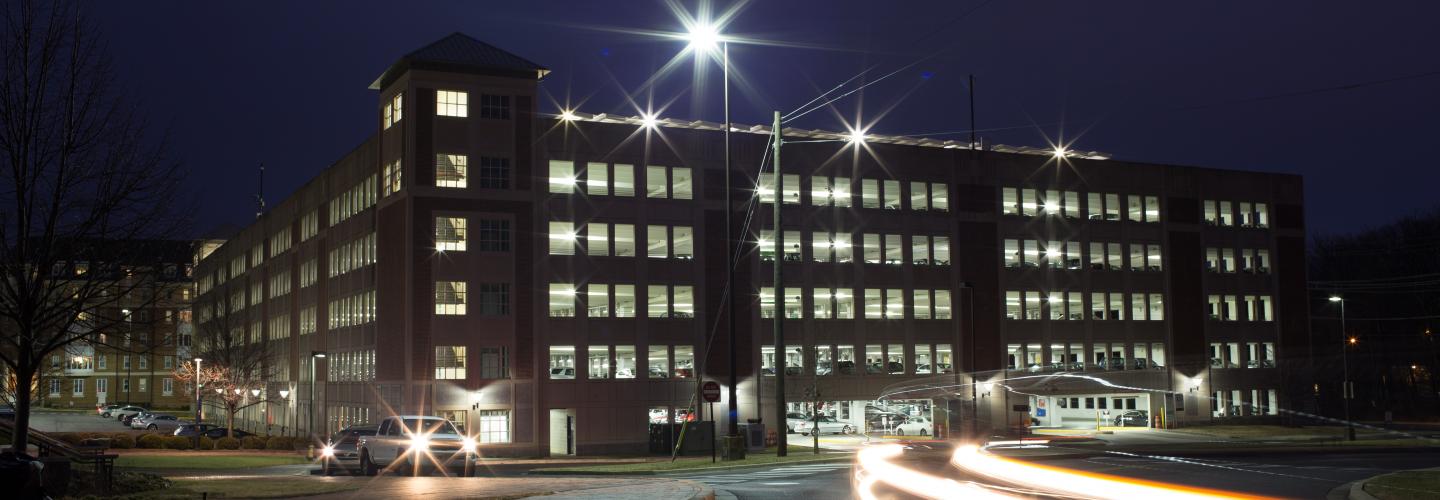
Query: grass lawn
{"x":797,"y":454}
{"x":1419,"y":484}
{"x":200,"y":461}
{"x":276,"y":487}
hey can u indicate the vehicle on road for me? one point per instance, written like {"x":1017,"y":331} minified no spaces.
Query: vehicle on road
{"x":104,"y":409}
{"x":915,"y":426}
{"x":126,"y":411}
{"x":1133,"y":418}
{"x":341,"y":452}
{"x":7,"y":412}
{"x":823,"y":425}
{"x":414,"y":444}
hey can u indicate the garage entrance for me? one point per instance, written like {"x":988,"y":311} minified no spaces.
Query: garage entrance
{"x":1087,"y":411}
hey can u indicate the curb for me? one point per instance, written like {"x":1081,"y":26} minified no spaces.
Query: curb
{"x":1278,"y":451}
{"x":555,"y":472}
{"x":706,"y":492}
{"x":1357,"y":488}
{"x":1357,"y":491}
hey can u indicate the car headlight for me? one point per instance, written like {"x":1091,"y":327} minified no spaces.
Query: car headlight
{"x":420,"y":443}
{"x":468,"y":445}
{"x":327,"y":451}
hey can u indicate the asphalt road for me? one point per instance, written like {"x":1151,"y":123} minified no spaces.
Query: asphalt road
{"x":74,"y":422}
{"x":823,"y":480}
{"x":1288,"y":476}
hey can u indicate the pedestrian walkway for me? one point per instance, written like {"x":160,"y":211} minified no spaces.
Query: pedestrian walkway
{"x":591,"y":488}
{"x":788,"y":471}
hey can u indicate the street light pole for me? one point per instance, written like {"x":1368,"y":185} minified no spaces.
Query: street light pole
{"x":1345,"y":388}
{"x":197,"y":403}
{"x":778,"y":292}
{"x":315,"y":356}
{"x":734,"y":426}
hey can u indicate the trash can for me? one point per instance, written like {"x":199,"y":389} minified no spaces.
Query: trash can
{"x":754,"y":436}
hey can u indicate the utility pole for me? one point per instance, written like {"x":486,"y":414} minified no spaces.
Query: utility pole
{"x":779,"y":295}
{"x":260,"y":194}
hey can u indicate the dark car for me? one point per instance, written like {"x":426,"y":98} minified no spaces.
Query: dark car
{"x":220,"y":432}
{"x":340,"y":452}
{"x":190,"y":430}
{"x":1133,"y":418}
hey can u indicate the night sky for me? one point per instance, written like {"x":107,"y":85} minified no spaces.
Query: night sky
{"x":285,"y":83}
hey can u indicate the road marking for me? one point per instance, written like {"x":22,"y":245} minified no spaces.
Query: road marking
{"x":779,"y":484}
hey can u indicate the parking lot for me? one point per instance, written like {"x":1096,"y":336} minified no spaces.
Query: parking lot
{"x":48,"y":421}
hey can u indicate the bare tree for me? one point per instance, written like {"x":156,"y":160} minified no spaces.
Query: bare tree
{"x":80,"y":185}
{"x":234,"y":363}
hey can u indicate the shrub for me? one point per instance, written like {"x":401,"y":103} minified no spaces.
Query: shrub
{"x":178,"y":442}
{"x":253,"y":443}
{"x":122,"y":441}
{"x":278,"y":443}
{"x":150,"y":441}
{"x":227,"y":443}
{"x":206,"y":443}
{"x":71,"y":438}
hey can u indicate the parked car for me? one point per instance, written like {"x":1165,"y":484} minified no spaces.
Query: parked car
{"x":107,"y":409}
{"x":190,"y":430}
{"x":414,"y":444}
{"x":7,"y":412}
{"x":220,"y":432}
{"x":1133,"y":418}
{"x":137,"y":421}
{"x":557,"y":373}
{"x":126,"y":411}
{"x":341,"y":451}
{"x":825,"y":425}
{"x":793,"y":418}
{"x":162,"y":423}
{"x":915,"y":426}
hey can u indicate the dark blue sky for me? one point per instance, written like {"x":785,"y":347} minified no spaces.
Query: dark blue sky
{"x":284,"y":83}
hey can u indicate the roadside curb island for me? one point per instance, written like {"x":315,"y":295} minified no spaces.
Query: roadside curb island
{"x":1357,"y":488}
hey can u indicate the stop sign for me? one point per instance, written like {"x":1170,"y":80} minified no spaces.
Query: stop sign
{"x":710,"y":391}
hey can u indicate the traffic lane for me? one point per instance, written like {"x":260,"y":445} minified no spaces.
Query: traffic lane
{"x":828,"y":484}
{"x":1290,"y":476}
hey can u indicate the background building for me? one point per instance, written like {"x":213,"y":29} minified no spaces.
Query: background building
{"x":133,"y":363}
{"x":567,"y":290}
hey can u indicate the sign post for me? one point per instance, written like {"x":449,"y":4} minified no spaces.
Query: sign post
{"x":710,"y":390}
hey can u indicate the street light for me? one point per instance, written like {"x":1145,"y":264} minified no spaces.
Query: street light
{"x":255,"y":392}
{"x":197,"y":402}
{"x":310,"y":426}
{"x":703,"y":38}
{"x":1345,"y":387}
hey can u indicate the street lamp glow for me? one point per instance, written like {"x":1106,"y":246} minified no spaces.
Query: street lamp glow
{"x":255,"y":392}
{"x":703,"y":38}
{"x":856,"y":136}
{"x":1354,"y":340}
{"x":1060,"y":152}
{"x":649,"y":121}
{"x":1335,"y":298}
{"x":284,"y":393}
{"x":568,"y":115}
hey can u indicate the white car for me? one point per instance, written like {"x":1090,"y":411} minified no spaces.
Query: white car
{"x":826,"y":425}
{"x":415,"y":444}
{"x":915,"y":426}
{"x":121,"y":413}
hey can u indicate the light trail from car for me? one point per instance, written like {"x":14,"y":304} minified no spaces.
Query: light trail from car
{"x":1059,"y":481}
